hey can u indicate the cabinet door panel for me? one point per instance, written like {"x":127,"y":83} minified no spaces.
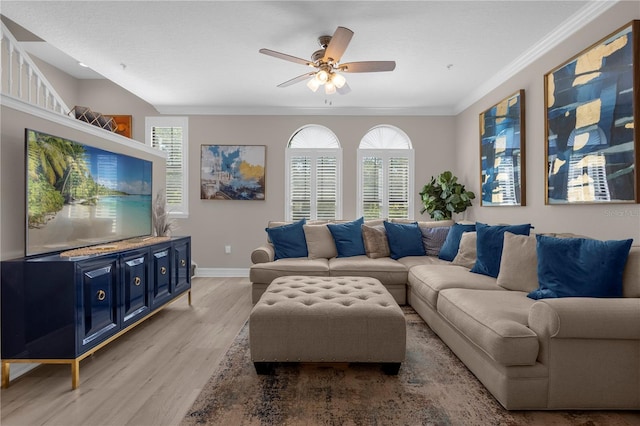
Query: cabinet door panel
{"x":99,"y":307}
{"x":161,"y":283}
{"x":135,"y":269}
{"x":182,"y":266}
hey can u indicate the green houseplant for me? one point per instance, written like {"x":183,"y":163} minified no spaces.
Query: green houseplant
{"x":444,"y":196}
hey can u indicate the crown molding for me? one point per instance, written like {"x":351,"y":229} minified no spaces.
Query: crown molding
{"x":578,"y":21}
{"x":328,"y":110}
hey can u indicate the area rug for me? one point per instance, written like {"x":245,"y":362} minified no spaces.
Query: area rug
{"x":432,"y":388}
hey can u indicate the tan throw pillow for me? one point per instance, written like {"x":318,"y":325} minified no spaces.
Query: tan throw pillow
{"x":467,"y":252}
{"x":320,"y":244}
{"x":519,"y":263}
{"x":375,"y":241}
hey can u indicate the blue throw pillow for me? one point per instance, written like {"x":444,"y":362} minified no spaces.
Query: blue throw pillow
{"x":489,"y":246}
{"x":348,"y":237}
{"x":288,"y":240}
{"x":404,"y":239}
{"x":449,"y":249}
{"x":580,"y":267}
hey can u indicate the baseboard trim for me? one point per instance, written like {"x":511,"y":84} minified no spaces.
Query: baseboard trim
{"x":222,"y":272}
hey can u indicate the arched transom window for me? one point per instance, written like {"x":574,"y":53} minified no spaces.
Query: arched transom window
{"x":385,"y":174}
{"x":313,"y":183}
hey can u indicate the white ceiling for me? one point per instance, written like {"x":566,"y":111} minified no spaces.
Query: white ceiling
{"x":192,"y":57}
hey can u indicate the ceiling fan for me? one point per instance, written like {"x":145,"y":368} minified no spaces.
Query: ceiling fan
{"x":326,"y":61}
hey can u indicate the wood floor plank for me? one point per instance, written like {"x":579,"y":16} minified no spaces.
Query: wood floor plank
{"x":150,"y":375}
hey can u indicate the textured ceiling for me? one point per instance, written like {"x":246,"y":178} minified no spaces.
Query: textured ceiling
{"x":188,"y":57}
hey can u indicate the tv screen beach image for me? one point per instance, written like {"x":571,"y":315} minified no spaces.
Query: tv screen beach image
{"x":78,"y":195}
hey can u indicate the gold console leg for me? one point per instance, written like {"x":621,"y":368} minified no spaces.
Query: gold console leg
{"x":6,"y":369}
{"x":75,"y":374}
{"x":189,"y":297}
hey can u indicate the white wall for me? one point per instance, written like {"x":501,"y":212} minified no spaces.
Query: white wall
{"x":613,"y":221}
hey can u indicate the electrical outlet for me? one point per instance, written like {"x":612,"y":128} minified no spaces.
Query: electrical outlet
{"x":227,"y":249}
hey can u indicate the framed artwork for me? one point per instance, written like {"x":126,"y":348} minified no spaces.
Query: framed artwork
{"x":232,"y":172}
{"x":592,"y":104}
{"x":502,"y":165}
{"x":122,"y":124}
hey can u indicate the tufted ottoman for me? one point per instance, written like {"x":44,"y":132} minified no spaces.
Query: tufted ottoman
{"x":327,"y":319}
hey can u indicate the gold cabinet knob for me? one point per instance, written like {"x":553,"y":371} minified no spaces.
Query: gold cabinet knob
{"x":137,"y":281}
{"x":163,"y":270}
{"x":183,"y":262}
{"x":101,"y":295}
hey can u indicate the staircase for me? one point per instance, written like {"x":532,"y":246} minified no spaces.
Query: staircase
{"x":21,"y":78}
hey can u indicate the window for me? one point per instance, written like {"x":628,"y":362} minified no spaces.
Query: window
{"x":171,"y":135}
{"x":385,"y":174}
{"x":313,"y":183}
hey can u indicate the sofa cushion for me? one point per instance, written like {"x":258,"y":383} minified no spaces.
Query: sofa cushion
{"x":411,"y":261}
{"x":375,"y":241}
{"x":631,"y":275}
{"x":433,"y":238}
{"x":489,"y":246}
{"x":320,"y":244}
{"x":579,"y":267}
{"x":494,"y":321}
{"x":405,"y":239}
{"x":288,"y":240}
{"x":467,"y":252}
{"x":267,"y":272}
{"x":428,"y":280}
{"x":385,"y":269}
{"x":348,"y":237}
{"x":452,"y":242}
{"x":519,"y":263}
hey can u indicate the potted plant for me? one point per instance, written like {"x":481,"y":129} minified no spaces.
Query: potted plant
{"x":444,"y":196}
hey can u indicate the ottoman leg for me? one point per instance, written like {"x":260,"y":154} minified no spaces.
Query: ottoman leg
{"x":263,"y":367}
{"x":390,"y":368}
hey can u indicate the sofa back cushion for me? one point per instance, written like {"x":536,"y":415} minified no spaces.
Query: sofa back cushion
{"x":631,"y":275}
{"x":320,"y":244}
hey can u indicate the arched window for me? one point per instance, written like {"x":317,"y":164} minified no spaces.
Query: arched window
{"x":385,"y":174}
{"x":313,"y":185}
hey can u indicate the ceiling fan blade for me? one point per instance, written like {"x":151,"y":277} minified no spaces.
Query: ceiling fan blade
{"x":344,"y":89}
{"x":286,"y":57}
{"x":368,"y":66}
{"x":296,"y":79}
{"x":338,"y":44}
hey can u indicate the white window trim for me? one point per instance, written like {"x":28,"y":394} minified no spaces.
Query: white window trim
{"x":386,"y":155}
{"x":181,"y":211}
{"x":314,"y":154}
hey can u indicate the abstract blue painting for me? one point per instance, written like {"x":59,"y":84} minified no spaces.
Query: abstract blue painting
{"x":591,"y":111}
{"x":232,"y":172}
{"x":502,"y":151}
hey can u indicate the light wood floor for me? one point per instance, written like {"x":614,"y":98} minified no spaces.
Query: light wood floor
{"x":149,"y":376}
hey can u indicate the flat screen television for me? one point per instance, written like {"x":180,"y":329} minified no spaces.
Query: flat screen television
{"x":79,"y":195}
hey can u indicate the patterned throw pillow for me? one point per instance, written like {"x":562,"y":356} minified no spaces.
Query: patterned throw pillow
{"x":376,"y":244}
{"x":433,"y":239}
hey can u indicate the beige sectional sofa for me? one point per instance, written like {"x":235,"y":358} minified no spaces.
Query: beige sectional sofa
{"x":559,"y":353}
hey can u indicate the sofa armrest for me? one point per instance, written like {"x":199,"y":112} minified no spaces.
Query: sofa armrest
{"x":263,"y":254}
{"x":586,"y":318}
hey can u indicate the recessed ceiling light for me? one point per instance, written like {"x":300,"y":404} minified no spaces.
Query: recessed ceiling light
{"x":82,"y":64}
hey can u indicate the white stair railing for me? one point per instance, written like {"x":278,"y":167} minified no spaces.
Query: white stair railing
{"x":22,"y":79}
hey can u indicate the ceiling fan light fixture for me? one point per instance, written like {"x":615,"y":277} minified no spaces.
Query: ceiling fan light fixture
{"x":338,"y":80}
{"x":322,"y":76}
{"x":313,"y":84}
{"x":329,"y":88}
